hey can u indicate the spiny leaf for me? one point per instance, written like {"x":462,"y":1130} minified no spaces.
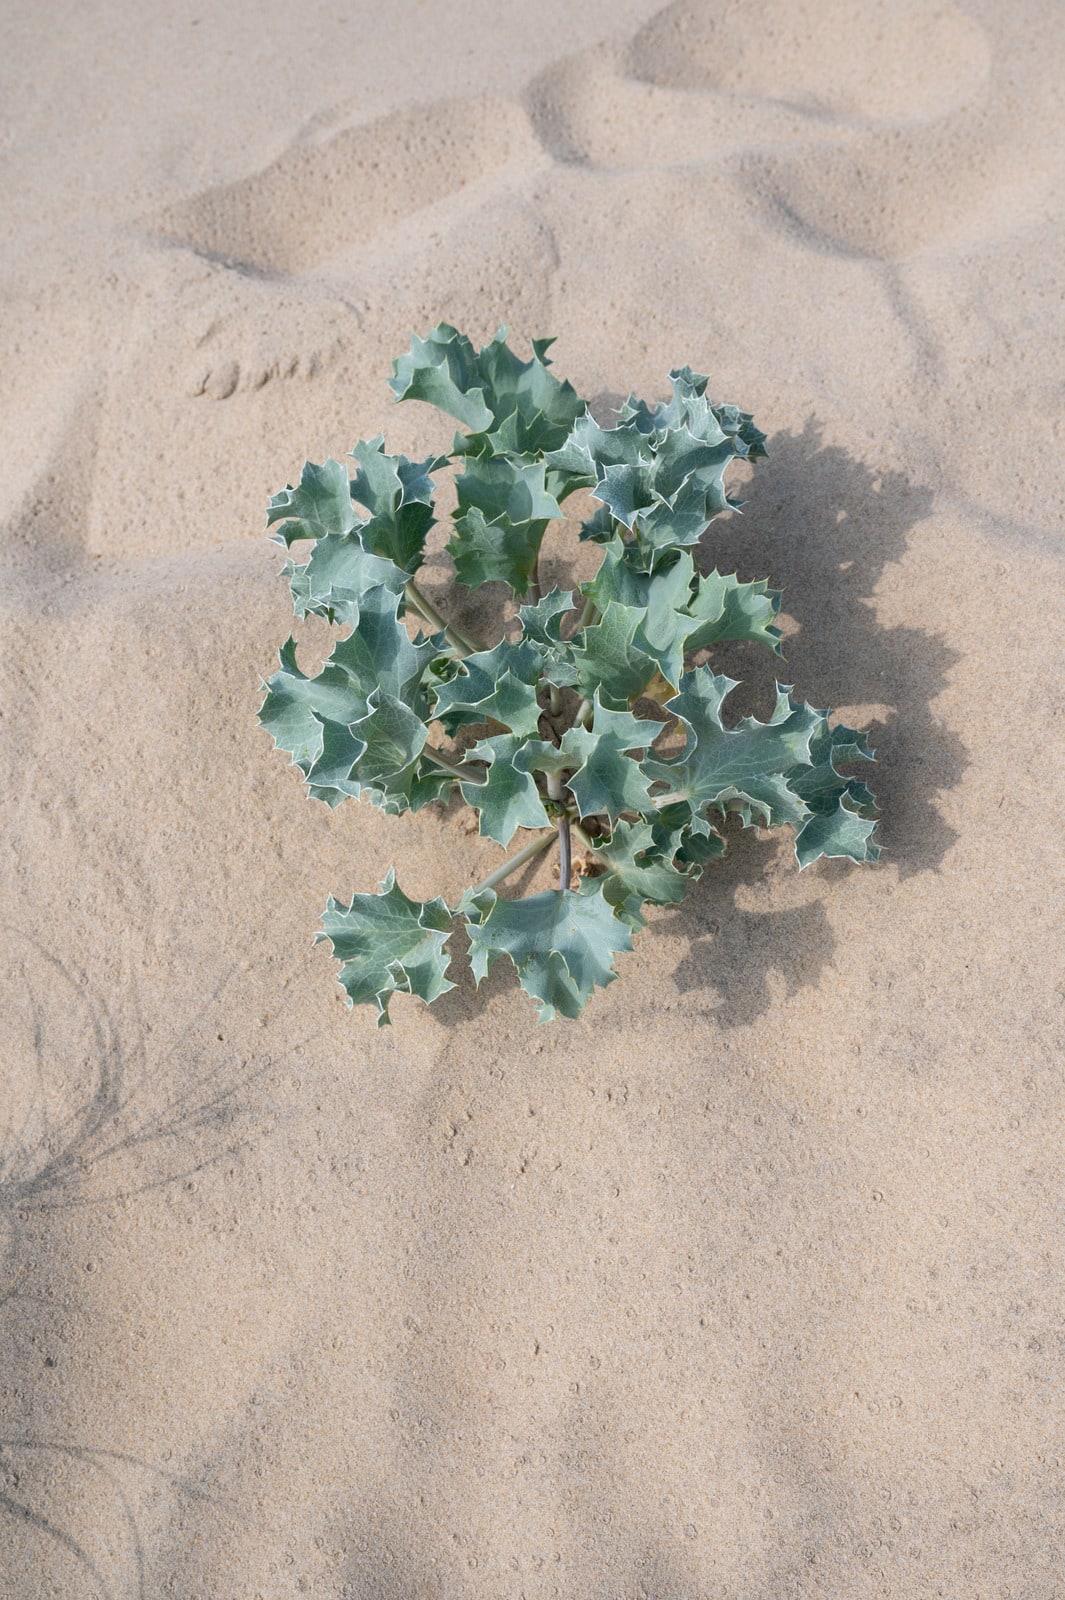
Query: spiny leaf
{"x":442,"y":369}
{"x":320,"y":506}
{"x":612,"y":656}
{"x":378,"y":657}
{"x":724,"y":608}
{"x":640,"y":872}
{"x":389,"y":944}
{"x":496,"y":685}
{"x":843,"y":809}
{"x":663,"y":596}
{"x":508,"y":799}
{"x":748,"y":764}
{"x":562,"y":944}
{"x":511,"y":406}
{"x":503,"y":509}
{"x":337,"y":576}
{"x":845,"y":830}
{"x":663,"y":483}
{"x":532,"y":410}
{"x":542,"y":624}
{"x":543,"y":621}
{"x":688,"y":405}
{"x":394,"y":737}
{"x":607,"y":780}
{"x":590,"y":449}
{"x":398,"y":494}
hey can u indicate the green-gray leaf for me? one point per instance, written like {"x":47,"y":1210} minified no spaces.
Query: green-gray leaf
{"x":496,"y":685}
{"x":508,"y":799}
{"x":378,"y":657}
{"x":543,"y":621}
{"x":389,"y":944}
{"x":607,"y":780}
{"x":442,"y":369}
{"x":846,"y":830}
{"x":320,"y":506}
{"x":562,"y":944}
{"x":724,"y":608}
{"x":398,"y":494}
{"x":747,"y":764}
{"x":503,"y":509}
{"x":640,"y":872}
{"x":337,"y":576}
{"x":843,"y":809}
{"x":511,"y":406}
{"x":612,"y":656}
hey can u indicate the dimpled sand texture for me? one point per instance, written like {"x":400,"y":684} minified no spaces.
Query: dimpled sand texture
{"x":748,"y":1285}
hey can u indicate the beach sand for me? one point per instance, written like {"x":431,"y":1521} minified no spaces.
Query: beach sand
{"x":747,"y":1285}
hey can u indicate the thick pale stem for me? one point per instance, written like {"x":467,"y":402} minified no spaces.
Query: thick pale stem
{"x":585,"y":713}
{"x":466,"y":773}
{"x":554,"y":790}
{"x":589,"y":614}
{"x":523,"y":857}
{"x":460,"y":642}
{"x":555,"y":702}
{"x":582,"y":838}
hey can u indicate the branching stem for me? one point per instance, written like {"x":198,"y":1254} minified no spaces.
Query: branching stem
{"x":468,"y":774}
{"x":529,"y":853}
{"x":589,"y":614}
{"x":582,"y":838}
{"x":554,"y":790}
{"x":460,"y":642}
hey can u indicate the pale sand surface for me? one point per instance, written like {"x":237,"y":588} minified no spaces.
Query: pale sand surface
{"x":748,"y":1285}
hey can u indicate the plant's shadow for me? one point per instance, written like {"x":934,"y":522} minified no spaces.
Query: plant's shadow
{"x":822,"y":526}
{"x":104,"y":1115}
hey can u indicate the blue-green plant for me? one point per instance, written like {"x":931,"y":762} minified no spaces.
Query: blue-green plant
{"x":596,"y":718}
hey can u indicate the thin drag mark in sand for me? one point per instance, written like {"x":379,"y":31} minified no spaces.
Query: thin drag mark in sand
{"x":98,"y":1458}
{"x":63,"y":1539}
{"x":97,"y":1124}
{"x":90,"y":1134}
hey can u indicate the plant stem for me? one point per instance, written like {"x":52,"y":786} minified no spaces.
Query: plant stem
{"x":556,"y":698}
{"x":588,"y":615}
{"x":580,"y":835}
{"x":554,"y":790}
{"x":466,"y":773}
{"x":531,"y":850}
{"x":460,"y":642}
{"x":585,"y":712}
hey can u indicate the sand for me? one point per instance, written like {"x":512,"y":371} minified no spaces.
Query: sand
{"x":749,"y":1284}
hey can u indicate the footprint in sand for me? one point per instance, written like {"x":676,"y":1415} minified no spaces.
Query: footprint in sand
{"x":321,"y":201}
{"x":888,"y":60}
{"x":875,"y":129}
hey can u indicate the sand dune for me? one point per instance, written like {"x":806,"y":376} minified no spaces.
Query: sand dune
{"x":749,"y":1283}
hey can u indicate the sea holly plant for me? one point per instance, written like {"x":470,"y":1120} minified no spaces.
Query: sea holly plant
{"x":594,"y":720}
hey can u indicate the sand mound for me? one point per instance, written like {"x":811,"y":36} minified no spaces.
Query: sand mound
{"x":883,"y":60}
{"x":746,"y":1284}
